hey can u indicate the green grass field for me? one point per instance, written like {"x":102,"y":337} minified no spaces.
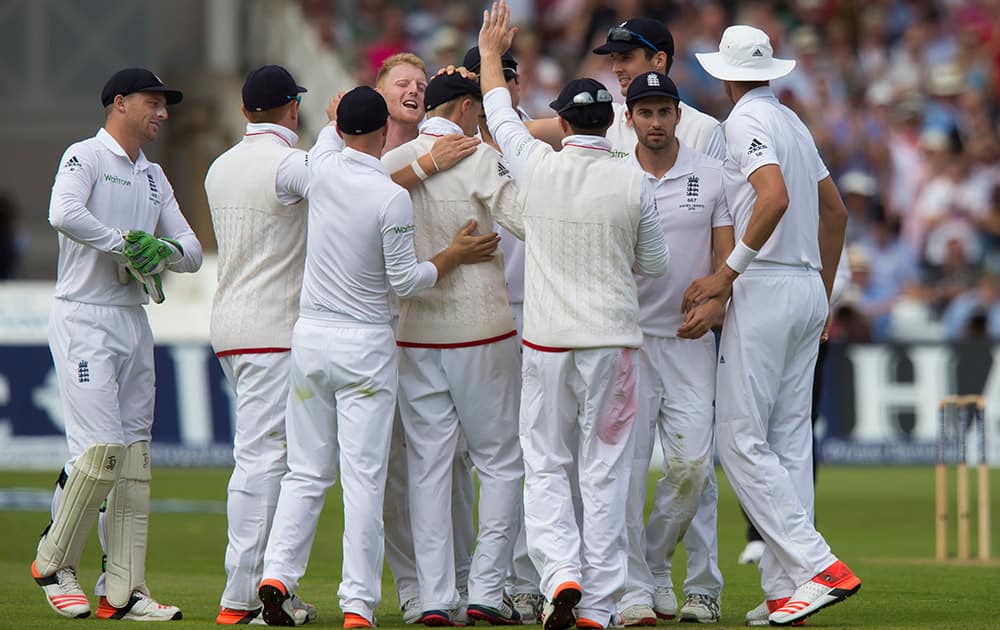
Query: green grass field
{"x":879,"y":520}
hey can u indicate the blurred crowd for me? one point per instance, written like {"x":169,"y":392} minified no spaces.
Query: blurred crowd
{"x":901,"y":96}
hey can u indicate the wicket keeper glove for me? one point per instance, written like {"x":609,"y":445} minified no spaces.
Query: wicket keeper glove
{"x":150,"y":255}
{"x":151,"y":284}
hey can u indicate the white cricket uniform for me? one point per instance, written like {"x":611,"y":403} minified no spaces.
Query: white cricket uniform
{"x":769,"y":344}
{"x":676,"y":386}
{"x":458,"y":340}
{"x":588,"y":221}
{"x":399,"y":553}
{"x":700,"y":132}
{"x":255,"y":192}
{"x":342,"y":391}
{"x":101,"y":344}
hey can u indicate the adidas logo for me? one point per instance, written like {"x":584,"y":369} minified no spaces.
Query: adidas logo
{"x":502,"y":170}
{"x":757,"y":53}
{"x":722,"y":360}
{"x":652,"y":80}
{"x":755,"y":146}
{"x":72,"y":164}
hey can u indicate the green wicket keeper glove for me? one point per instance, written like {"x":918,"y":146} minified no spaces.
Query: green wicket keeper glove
{"x":150,"y":255}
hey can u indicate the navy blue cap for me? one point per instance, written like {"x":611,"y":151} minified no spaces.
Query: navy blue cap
{"x":651,"y":84}
{"x":472,"y":60}
{"x":584,"y":103}
{"x":647,"y":33}
{"x":361,"y":111}
{"x":268,"y":87}
{"x":131,"y":80}
{"x":446,"y":87}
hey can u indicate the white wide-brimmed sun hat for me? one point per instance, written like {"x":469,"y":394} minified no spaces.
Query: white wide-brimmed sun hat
{"x":745,"y":54}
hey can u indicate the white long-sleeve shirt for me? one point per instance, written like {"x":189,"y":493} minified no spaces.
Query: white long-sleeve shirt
{"x":589,"y":221}
{"x":98,"y":195}
{"x":360,"y":235}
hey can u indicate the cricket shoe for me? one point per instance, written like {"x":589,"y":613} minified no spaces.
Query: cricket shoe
{"x":752,"y":553}
{"x":279,"y":606}
{"x":354,"y":620}
{"x":529,"y":606}
{"x":664,"y":603}
{"x":559,"y":613}
{"x":582,"y":623}
{"x":503,"y":615}
{"x":140,"y":607}
{"x":63,"y":592}
{"x":759,"y":616}
{"x":411,"y":610}
{"x":832,"y":586}
{"x":699,"y":608}
{"x":638,"y":615}
{"x":239,"y":617}
{"x":436,"y":618}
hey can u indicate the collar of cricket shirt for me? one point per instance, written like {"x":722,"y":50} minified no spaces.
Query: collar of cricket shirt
{"x":288,"y":136}
{"x":439,"y":126}
{"x":105,"y":138}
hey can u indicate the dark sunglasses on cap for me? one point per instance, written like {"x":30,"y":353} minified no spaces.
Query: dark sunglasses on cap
{"x":622,"y":34}
{"x":586,"y":98}
{"x":509,"y":74}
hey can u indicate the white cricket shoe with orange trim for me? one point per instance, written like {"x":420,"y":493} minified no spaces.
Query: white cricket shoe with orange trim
{"x":140,"y":607}
{"x":63,"y":592}
{"x":831,"y":586}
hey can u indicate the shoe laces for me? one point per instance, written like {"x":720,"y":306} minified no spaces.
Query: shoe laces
{"x":410,"y":603}
{"x":698,"y":599}
{"x":66,"y":577}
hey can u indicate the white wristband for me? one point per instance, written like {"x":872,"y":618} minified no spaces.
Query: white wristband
{"x":421,"y":175}
{"x":741,"y":257}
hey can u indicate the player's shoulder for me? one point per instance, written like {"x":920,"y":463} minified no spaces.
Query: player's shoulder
{"x":703,"y":161}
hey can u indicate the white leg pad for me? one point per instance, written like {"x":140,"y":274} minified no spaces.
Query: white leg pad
{"x":128,"y":526}
{"x":92,"y":476}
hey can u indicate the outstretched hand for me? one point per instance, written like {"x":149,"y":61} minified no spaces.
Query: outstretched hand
{"x":496,"y":36}
{"x":462,"y":71}
{"x":331,"y":107}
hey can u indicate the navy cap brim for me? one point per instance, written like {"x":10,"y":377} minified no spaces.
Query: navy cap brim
{"x":173,"y":96}
{"x":609,"y":47}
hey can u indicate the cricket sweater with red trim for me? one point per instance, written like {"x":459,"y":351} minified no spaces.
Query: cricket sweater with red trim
{"x":256,"y":194}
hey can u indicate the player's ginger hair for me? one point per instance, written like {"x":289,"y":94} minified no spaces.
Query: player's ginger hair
{"x":397,"y":60}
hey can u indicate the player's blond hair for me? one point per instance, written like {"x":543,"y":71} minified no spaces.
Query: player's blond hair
{"x":397,"y":60}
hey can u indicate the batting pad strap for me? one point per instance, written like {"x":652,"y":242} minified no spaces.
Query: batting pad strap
{"x":127,"y":520}
{"x":91,"y":477}
{"x":741,"y":257}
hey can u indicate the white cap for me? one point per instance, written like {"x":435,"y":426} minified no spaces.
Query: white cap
{"x":745,"y":54}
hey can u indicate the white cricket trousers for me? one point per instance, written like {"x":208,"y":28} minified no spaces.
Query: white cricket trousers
{"x":577,"y":410}
{"x":676,"y":389}
{"x":444,"y":394}
{"x":260,"y":384}
{"x":341,"y":396}
{"x":763,"y":406}
{"x":103,"y":356}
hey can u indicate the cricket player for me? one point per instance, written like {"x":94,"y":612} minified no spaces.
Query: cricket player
{"x":256,"y":192}
{"x":457,"y":341}
{"x":402,"y":80}
{"x":588,"y":222}
{"x":677,"y":358}
{"x":119,"y":229}
{"x":342,"y":392}
{"x":523,"y":581}
{"x":635,"y":47}
{"x":781,"y":196}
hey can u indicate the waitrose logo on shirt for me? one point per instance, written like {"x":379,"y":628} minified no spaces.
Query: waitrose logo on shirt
{"x":114,"y":179}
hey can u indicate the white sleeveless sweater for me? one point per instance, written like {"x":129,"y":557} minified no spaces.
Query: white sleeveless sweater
{"x":262,"y":246}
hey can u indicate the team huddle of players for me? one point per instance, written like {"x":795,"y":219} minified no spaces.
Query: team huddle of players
{"x":374,"y":326}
